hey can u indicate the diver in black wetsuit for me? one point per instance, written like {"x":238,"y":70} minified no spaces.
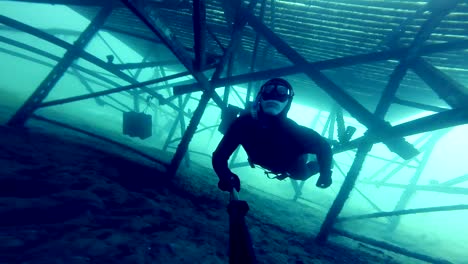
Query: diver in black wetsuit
{"x":273,"y":141}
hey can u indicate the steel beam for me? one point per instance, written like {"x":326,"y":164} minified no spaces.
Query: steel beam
{"x":405,"y":212}
{"x":254,"y":52}
{"x":456,"y":180}
{"x":371,"y":203}
{"x":413,"y":52}
{"x":452,"y":92}
{"x":423,"y":188}
{"x":183,"y":126}
{"x":327,"y":124}
{"x":344,"y":192}
{"x":425,"y":107}
{"x":227,"y":88}
{"x":151,"y":39}
{"x":394,"y":37}
{"x":213,"y":36}
{"x":142,"y":65}
{"x":236,"y":37}
{"x":340,"y":125}
{"x":33,"y":102}
{"x":120,"y":89}
{"x":446,"y":119}
{"x":199,"y":33}
{"x":393,"y":54}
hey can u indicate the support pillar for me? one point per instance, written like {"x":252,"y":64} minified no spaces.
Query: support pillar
{"x":344,"y":192}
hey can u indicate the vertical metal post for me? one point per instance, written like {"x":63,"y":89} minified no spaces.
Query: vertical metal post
{"x":188,"y":135}
{"x":182,"y":123}
{"x":199,"y":28}
{"x":227,"y":88}
{"x":254,"y":53}
{"x":344,"y":192}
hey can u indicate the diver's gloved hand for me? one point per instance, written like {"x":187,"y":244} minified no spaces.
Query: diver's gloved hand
{"x":229,"y":183}
{"x":324,"y":181}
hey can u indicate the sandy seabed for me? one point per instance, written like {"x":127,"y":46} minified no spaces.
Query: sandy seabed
{"x":72,"y":199}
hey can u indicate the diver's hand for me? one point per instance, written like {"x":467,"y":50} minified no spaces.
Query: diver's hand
{"x":229,"y":183}
{"x":324,"y":181}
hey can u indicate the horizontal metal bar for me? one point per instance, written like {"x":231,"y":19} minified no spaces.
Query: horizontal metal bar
{"x":425,"y":188}
{"x":446,"y":119}
{"x":323,"y":65}
{"x":405,"y":212}
{"x":142,"y":65}
{"x":419,"y":105}
{"x":456,"y":180}
{"x":112,"y":91}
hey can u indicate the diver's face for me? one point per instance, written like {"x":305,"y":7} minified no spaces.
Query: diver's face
{"x":272,"y":107}
{"x":274,"y":98}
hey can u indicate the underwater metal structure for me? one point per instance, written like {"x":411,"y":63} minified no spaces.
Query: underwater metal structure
{"x":330,"y":39}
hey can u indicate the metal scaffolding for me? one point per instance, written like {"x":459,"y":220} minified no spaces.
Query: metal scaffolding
{"x":378,"y":130}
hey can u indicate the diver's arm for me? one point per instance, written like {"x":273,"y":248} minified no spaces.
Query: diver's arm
{"x":324,"y":156}
{"x":319,"y":146}
{"x":324,"y":159}
{"x":223,"y":152}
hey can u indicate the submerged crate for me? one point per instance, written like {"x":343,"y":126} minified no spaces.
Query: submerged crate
{"x":137,"y":124}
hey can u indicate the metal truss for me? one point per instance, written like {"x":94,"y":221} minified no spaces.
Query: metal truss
{"x":74,"y":52}
{"x":378,"y":129}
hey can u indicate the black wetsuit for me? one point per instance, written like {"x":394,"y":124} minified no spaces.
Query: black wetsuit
{"x":276,"y":143}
